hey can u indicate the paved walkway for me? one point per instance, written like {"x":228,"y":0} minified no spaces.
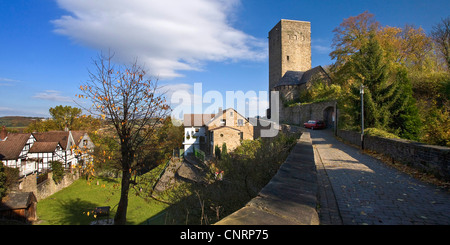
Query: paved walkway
{"x":357,"y":189}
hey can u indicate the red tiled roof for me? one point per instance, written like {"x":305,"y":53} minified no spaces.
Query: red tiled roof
{"x":77,"y":136}
{"x":43,"y":147}
{"x":10,"y":148}
{"x":53,"y":136}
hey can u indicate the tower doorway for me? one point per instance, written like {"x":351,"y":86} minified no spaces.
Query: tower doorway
{"x":329,"y":116}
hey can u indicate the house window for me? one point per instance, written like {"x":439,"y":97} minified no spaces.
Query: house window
{"x":231,"y":113}
{"x":240,"y":122}
{"x":287,"y":58}
{"x":84,"y":142}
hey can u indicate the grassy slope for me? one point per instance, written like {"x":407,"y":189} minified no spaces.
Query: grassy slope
{"x":70,"y":205}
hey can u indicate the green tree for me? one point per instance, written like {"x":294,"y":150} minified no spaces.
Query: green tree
{"x":64,"y":116}
{"x":388,"y":101}
{"x":404,"y":112}
{"x":370,"y":71}
{"x":58,"y":171}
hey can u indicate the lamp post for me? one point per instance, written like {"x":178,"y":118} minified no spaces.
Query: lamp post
{"x":361,"y":91}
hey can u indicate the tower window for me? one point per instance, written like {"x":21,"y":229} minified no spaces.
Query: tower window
{"x":287,"y":58}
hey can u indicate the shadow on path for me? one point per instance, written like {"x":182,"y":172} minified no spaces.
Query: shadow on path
{"x":359,"y":189}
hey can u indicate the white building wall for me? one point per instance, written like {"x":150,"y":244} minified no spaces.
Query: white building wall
{"x":192,"y":138}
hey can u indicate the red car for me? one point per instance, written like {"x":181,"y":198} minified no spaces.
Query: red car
{"x":314,"y":124}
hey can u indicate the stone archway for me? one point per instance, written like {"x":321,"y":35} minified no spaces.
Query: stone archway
{"x":329,"y":116}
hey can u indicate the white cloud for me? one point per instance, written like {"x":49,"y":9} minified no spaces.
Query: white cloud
{"x":168,"y":36}
{"x":8,"y":81}
{"x":321,"y":46}
{"x":52,"y":95}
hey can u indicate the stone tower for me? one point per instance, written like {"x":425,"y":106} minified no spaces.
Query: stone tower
{"x":289,"y":49}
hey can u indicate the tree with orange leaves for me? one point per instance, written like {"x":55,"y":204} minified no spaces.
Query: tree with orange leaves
{"x":129,"y":101}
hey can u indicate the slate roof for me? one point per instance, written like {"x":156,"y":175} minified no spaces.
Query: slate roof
{"x":17,"y":200}
{"x":299,"y":77}
{"x":43,"y":147}
{"x":10,"y":148}
{"x":291,"y":78}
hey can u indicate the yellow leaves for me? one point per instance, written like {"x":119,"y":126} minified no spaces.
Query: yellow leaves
{"x":103,"y":116}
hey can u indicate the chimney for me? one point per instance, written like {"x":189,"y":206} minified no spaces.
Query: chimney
{"x":3,"y":133}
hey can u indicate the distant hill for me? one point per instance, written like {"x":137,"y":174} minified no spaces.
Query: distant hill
{"x":17,"y":121}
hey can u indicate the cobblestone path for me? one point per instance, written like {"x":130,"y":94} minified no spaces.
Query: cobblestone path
{"x":357,"y":189}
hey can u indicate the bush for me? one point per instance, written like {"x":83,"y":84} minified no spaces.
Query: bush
{"x":380,"y":133}
{"x":2,"y":181}
{"x":58,"y":171}
{"x":8,"y":178}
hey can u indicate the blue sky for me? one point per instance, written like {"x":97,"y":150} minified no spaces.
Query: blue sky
{"x":47,"y":46}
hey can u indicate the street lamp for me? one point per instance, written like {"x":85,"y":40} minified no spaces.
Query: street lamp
{"x":361,"y":91}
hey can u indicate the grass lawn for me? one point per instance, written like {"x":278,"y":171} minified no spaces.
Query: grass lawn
{"x":71,"y":205}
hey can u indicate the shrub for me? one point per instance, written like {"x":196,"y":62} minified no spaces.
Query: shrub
{"x":58,"y":171}
{"x":2,"y":181}
{"x":380,"y":133}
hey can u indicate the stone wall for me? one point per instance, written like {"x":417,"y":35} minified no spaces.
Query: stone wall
{"x":47,"y":187}
{"x":300,"y":114}
{"x":290,"y":198}
{"x":429,"y":158}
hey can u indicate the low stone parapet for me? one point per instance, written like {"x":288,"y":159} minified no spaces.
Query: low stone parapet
{"x":428,"y":158}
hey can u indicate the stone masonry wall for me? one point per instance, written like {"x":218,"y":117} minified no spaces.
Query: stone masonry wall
{"x":429,"y":158}
{"x":47,"y":187}
{"x":289,"y":49}
{"x":300,"y":114}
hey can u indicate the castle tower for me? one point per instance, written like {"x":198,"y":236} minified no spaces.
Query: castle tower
{"x":289,"y":49}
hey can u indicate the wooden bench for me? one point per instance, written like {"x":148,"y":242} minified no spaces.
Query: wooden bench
{"x":102,"y":211}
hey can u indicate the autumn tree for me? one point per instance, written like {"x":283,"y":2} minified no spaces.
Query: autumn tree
{"x":129,"y":101}
{"x":351,"y":35}
{"x":408,"y":46}
{"x":441,"y":36}
{"x":414,"y":72}
{"x":348,"y":39}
